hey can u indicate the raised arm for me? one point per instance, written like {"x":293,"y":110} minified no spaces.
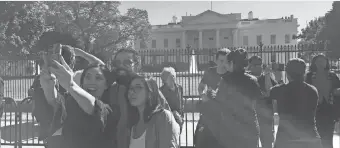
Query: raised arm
{"x":88,"y":57}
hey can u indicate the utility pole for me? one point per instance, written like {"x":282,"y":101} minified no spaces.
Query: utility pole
{"x":211,"y":5}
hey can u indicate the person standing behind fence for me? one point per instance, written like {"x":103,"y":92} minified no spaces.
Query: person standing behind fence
{"x":150,"y":124}
{"x":326,"y":83}
{"x":210,"y":80}
{"x":296,"y":105}
{"x":231,"y":116}
{"x":173,"y":93}
{"x":265,"y":81}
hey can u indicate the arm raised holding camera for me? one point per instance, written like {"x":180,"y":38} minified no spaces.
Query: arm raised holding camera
{"x":64,"y":74}
{"x":88,"y":57}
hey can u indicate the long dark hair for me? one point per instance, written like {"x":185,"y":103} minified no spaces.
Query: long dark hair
{"x":313,"y":67}
{"x":107,"y":74}
{"x":152,"y":105}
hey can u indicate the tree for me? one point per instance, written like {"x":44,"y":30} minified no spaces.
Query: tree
{"x":99,"y":25}
{"x":308,"y":34}
{"x":330,"y":31}
{"x":21,"y":25}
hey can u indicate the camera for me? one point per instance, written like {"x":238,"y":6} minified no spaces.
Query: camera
{"x":52,"y":54}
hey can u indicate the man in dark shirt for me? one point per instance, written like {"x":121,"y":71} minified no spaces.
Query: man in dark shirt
{"x":265,"y":81}
{"x":296,"y":104}
{"x":211,"y":79}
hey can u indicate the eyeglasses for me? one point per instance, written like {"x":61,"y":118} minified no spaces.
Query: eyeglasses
{"x":136,"y":89}
{"x":125,"y":62}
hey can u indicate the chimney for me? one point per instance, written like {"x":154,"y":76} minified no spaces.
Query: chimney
{"x":174,"y":19}
{"x":292,"y":16}
{"x":250,"y":15}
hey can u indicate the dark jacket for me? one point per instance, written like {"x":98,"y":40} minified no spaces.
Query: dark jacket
{"x":335,"y":84}
{"x":49,"y":119}
{"x":82,"y":130}
{"x":231,"y":116}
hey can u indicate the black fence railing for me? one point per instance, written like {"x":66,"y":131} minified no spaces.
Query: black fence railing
{"x":19,"y":128}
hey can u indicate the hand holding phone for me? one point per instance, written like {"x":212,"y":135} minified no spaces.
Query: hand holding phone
{"x":54,"y":54}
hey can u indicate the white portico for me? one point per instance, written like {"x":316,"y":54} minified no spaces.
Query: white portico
{"x":214,"y":30}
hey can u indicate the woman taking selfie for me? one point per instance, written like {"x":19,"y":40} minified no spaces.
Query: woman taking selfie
{"x":86,"y":107}
{"x":326,"y":83}
{"x":151,"y":126}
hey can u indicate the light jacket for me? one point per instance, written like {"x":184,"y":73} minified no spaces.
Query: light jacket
{"x":162,"y":131}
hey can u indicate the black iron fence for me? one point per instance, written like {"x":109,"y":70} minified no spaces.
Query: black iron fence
{"x":19,"y":128}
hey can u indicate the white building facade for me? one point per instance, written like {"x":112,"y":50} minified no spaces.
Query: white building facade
{"x":214,"y":30}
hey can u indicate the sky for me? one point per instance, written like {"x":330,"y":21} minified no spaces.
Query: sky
{"x":161,"y":12}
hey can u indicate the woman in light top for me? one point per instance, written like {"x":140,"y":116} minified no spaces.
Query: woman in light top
{"x":151,"y":126}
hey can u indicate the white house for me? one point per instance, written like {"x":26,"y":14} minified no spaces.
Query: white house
{"x":213,"y":30}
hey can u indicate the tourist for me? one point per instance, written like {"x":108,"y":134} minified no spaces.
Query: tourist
{"x":296,"y":103}
{"x":47,"y":113}
{"x":128,"y":60}
{"x":173,"y":93}
{"x":265,"y":81}
{"x":231,"y":116}
{"x":326,"y":83}
{"x":210,"y":80}
{"x":150,"y":125}
{"x":86,"y":106}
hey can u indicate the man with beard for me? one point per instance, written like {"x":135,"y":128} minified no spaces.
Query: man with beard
{"x":265,"y":81}
{"x":207,"y":88}
{"x":125,"y":63}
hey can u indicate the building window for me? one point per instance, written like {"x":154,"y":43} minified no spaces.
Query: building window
{"x":153,"y":44}
{"x":142,"y":45}
{"x":178,"y":43}
{"x":211,"y":39}
{"x":165,"y":43}
{"x":273,"y":39}
{"x":226,"y":38}
{"x":245,"y":40}
{"x":287,"y":38}
{"x":258,"y":39}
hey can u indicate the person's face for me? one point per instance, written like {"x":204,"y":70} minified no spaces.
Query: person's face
{"x":229,"y":66}
{"x":170,"y":81}
{"x":255,"y":67}
{"x":124,"y":60}
{"x":321,"y":62}
{"x":221,"y":64}
{"x":137,"y":92}
{"x":94,"y":82}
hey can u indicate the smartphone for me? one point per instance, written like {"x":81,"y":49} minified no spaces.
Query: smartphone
{"x":52,"y":54}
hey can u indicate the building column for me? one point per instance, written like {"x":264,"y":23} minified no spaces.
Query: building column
{"x":218,"y":38}
{"x":235,"y":36}
{"x":184,"y":39}
{"x":200,"y":38}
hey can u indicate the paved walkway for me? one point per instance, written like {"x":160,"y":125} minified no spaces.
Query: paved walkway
{"x":186,"y":136}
